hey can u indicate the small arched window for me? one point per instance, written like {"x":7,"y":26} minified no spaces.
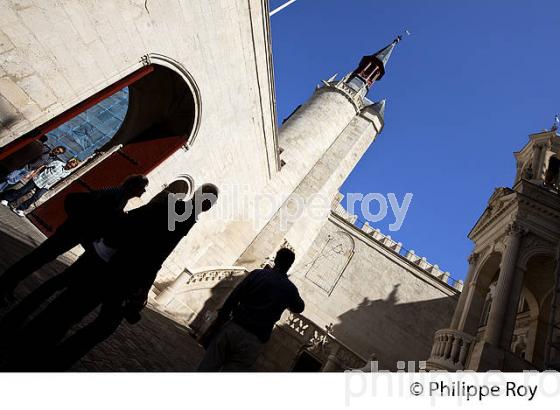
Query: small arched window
{"x":181,"y":186}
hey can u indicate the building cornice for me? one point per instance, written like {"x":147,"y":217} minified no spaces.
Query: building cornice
{"x":392,"y":254}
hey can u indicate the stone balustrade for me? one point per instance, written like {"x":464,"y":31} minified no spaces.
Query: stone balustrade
{"x":336,"y":355}
{"x":214,"y":275}
{"x":204,"y":279}
{"x":450,"y":350}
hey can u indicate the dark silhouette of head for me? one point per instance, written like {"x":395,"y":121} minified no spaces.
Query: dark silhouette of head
{"x":284,"y":260}
{"x":179,"y":211}
{"x":134,"y":186}
{"x":205,"y":197}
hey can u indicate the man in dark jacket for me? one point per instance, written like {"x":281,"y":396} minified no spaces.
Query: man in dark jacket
{"x":89,"y":215}
{"x":250,"y":313}
{"x":116,"y":273}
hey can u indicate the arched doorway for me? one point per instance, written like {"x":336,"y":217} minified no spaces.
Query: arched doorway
{"x":161,"y":117}
{"x":552,"y":177}
{"x":307,"y":363}
{"x":480,"y":298}
{"x":539,"y":280}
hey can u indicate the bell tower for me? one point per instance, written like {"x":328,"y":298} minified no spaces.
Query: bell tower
{"x":372,"y":68}
{"x":507,"y":315}
{"x":321,"y":142}
{"x":539,"y":161}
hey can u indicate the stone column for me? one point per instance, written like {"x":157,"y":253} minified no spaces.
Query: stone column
{"x":536,"y":160}
{"x":553,"y":318}
{"x":542,"y":159}
{"x":505,"y":285}
{"x":510,"y":317}
{"x":463,"y":305}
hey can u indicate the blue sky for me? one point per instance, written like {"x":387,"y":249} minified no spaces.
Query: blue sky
{"x":464,"y":91}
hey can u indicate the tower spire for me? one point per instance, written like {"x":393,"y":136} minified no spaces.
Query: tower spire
{"x":372,"y":67}
{"x":384,"y":54}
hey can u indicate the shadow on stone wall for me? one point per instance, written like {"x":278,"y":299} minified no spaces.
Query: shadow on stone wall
{"x":394,"y":331}
{"x":384,"y":328}
{"x":203,"y":322}
{"x":7,"y":117}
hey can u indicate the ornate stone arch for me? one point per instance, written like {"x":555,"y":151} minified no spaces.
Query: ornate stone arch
{"x":182,"y":184}
{"x":479,"y":286}
{"x":165,"y":61}
{"x":533,"y":246}
{"x":491,"y":253}
{"x":482,"y":254}
{"x":537,"y":259}
{"x":534,"y":310}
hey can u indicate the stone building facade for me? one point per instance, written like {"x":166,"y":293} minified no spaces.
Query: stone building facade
{"x":202,"y":109}
{"x":217,"y":53}
{"x":368,"y":295}
{"x":507,"y":316}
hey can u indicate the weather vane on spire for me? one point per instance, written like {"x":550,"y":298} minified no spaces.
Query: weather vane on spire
{"x":400,"y":36}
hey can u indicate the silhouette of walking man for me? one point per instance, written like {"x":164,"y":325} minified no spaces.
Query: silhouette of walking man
{"x":89,"y":215}
{"x":117,"y":273}
{"x":250,"y":313}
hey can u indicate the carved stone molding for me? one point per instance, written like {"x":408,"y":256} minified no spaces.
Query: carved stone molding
{"x":534,"y":245}
{"x":534,"y":241}
{"x":515,"y":229}
{"x":473,"y":258}
{"x":500,"y":244}
{"x":498,"y":206}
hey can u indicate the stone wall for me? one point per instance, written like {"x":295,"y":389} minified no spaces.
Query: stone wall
{"x":54,"y":54}
{"x":379,"y":301}
{"x":374,"y":297}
